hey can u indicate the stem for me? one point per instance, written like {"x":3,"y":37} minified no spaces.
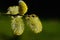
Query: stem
{"x":16,"y":37}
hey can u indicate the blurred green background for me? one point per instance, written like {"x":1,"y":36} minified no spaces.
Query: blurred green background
{"x":51,"y":30}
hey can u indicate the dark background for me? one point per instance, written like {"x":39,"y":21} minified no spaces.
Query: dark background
{"x":40,"y":7}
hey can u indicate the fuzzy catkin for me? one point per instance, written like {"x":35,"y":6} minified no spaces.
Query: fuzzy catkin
{"x":17,"y":25}
{"x":34,"y":23}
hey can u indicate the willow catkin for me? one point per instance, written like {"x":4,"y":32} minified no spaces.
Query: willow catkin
{"x":23,"y":8}
{"x":13,"y":10}
{"x":34,"y":23}
{"x":17,"y":25}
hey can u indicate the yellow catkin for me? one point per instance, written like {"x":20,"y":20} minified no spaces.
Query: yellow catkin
{"x":17,"y":25}
{"x":13,"y":10}
{"x":23,"y":8}
{"x":34,"y":23}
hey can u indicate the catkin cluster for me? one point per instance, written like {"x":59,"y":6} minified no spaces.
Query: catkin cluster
{"x":17,"y":23}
